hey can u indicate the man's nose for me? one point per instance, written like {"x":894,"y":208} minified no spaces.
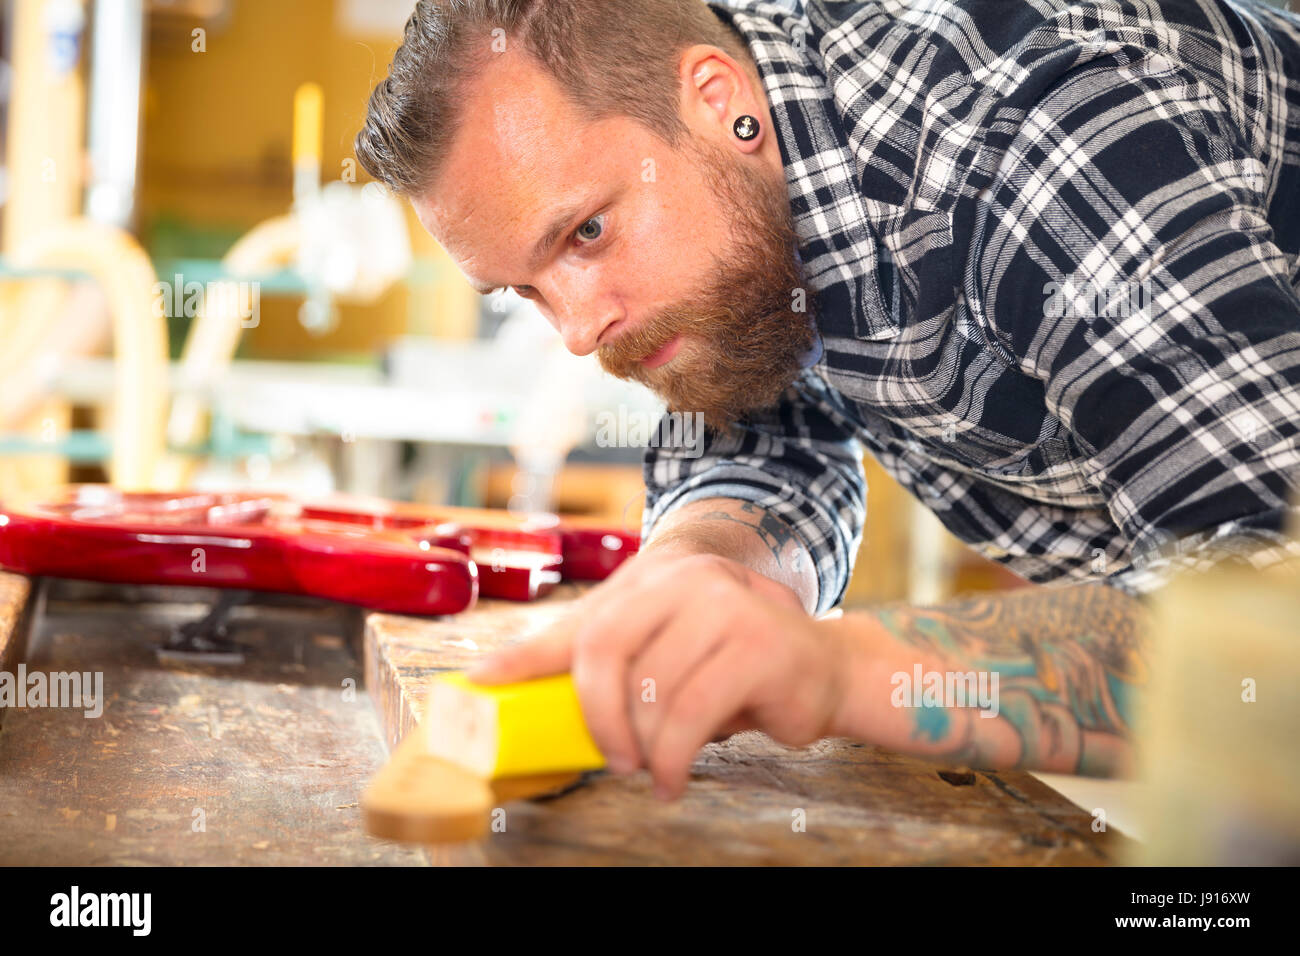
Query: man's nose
{"x":582,"y":327}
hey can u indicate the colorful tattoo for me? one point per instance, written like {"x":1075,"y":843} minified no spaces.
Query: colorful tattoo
{"x":1069,"y":662}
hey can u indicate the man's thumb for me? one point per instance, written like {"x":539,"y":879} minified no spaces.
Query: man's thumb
{"x":549,"y":653}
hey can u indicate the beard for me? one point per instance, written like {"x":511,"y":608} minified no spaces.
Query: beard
{"x":742,"y":338}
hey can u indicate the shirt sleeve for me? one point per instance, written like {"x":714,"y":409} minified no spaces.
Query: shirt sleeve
{"x":798,"y":461}
{"x":1128,"y":263}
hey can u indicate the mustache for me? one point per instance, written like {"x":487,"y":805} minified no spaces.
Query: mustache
{"x":622,"y":357}
{"x":744,"y":334}
{"x":738,"y":317}
{"x":750,"y":340}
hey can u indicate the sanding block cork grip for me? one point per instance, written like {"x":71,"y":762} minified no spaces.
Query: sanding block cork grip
{"x":478,"y":747}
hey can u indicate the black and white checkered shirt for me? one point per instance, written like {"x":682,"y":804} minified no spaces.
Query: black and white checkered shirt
{"x":1055,"y":246}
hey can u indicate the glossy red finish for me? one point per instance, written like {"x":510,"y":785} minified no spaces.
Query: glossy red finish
{"x":392,"y":556}
{"x":592,"y":554}
{"x":260,"y":542}
{"x":518,"y":558}
{"x":585,"y":549}
{"x":518,"y":565}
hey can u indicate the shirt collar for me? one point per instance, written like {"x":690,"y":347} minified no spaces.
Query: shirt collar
{"x":837,"y":241}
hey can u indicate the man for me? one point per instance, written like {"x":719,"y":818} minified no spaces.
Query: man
{"x":1040,"y":256}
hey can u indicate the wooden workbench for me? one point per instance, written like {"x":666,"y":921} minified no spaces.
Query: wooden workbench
{"x":259,"y":764}
{"x":275,"y":754}
{"x":861,"y":805}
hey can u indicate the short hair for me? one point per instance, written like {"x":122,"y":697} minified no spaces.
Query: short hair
{"x":611,"y":57}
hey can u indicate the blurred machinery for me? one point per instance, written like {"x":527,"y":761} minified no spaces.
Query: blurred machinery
{"x":47,"y":242}
{"x":343,"y":242}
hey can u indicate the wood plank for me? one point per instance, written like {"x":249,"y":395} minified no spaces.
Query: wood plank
{"x":401,"y":653}
{"x":16,"y":595}
{"x":858,"y":804}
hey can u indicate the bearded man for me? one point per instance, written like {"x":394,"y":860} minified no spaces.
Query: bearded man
{"x":1040,"y":257}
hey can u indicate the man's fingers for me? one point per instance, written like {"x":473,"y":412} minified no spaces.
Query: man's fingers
{"x":656,"y":675}
{"x":711,"y":699}
{"x":607,"y":643}
{"x":549,"y":653}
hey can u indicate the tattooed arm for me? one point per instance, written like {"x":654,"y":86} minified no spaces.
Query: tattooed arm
{"x":1050,"y":677}
{"x":743,"y":532}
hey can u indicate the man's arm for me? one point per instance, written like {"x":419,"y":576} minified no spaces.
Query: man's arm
{"x":1058,"y":671}
{"x":797,"y":465}
{"x":743,"y":537}
{"x":743,"y":532}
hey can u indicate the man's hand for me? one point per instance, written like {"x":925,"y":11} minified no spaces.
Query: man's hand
{"x":675,"y":650}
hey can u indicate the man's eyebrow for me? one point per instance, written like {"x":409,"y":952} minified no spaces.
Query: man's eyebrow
{"x":559,"y":226}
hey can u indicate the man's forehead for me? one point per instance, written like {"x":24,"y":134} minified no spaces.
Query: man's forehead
{"x":480,"y":226}
{"x":522,"y":154}
{"x":517,"y":153}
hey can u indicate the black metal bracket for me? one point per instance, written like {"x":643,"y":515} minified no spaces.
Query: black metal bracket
{"x":207,"y":640}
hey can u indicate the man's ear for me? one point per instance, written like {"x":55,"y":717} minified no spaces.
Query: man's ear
{"x":717,"y":91}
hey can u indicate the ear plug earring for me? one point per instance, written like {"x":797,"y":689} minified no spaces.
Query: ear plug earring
{"x":746,"y":128}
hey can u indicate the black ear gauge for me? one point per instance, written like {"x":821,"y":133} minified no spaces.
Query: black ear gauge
{"x":745,"y":128}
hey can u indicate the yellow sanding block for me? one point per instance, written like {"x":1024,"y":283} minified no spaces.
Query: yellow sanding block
{"x":509,"y":730}
{"x":479,"y":747}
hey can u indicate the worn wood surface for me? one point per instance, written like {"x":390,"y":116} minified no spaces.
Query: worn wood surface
{"x":197,"y":765}
{"x":858,"y":804}
{"x":15,"y":600}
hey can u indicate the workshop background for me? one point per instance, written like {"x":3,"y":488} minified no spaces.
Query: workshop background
{"x":197,"y":290}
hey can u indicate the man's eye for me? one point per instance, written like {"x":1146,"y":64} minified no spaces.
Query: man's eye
{"x":591,"y":230}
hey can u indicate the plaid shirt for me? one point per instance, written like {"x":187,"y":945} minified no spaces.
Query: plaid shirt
{"x":1055,"y":250}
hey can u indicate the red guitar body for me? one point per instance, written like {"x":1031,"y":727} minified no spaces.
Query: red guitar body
{"x":388,"y":556}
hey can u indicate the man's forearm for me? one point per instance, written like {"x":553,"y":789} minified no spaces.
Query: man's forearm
{"x":1065,"y":665}
{"x":743,"y":532}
